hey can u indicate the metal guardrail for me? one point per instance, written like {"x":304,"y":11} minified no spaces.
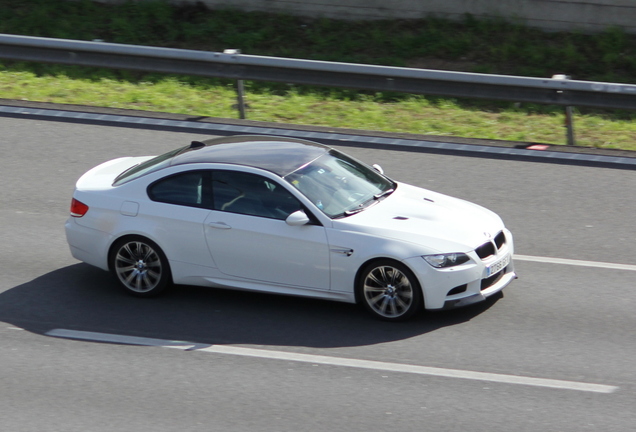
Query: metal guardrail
{"x":233,"y":65}
{"x":319,"y":73}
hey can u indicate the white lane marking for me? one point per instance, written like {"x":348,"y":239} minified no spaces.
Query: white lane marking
{"x":335,"y":361}
{"x":572,"y":262}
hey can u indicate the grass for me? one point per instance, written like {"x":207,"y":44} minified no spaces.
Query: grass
{"x":475,"y":46}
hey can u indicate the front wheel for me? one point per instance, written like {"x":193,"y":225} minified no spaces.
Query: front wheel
{"x":389,"y":290}
{"x":140,"y":266}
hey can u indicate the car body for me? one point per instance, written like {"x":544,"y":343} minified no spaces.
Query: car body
{"x":286,"y":216}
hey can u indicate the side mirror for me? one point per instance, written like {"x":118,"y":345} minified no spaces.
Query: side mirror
{"x":297,"y":218}
{"x":378,"y":168}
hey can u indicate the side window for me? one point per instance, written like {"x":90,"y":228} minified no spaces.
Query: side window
{"x":181,"y":189}
{"x":250,"y":194}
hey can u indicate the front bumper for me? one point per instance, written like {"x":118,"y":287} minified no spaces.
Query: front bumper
{"x":468,"y":283}
{"x":505,"y":279}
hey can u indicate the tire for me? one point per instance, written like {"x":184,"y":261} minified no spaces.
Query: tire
{"x":389,"y":291}
{"x":140,"y":266}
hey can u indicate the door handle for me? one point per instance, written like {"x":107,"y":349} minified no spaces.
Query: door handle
{"x":219,"y":225}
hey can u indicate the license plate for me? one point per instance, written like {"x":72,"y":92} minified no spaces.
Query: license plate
{"x":498,"y":266}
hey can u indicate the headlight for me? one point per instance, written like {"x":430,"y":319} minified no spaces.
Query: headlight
{"x":446,"y":260}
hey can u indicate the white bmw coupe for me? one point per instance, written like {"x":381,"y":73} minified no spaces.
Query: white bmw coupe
{"x":286,"y":216}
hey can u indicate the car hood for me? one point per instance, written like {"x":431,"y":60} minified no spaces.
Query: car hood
{"x":437,"y":222}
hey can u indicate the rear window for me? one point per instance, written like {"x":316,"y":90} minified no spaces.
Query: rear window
{"x":182,"y":189}
{"x":147,"y":167}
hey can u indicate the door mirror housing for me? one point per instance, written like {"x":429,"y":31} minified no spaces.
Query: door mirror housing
{"x":297,"y":218}
{"x":378,"y":168}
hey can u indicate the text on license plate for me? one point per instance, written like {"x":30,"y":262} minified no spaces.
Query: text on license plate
{"x":498,"y":266}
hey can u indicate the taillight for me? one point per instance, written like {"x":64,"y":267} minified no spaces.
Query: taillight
{"x":78,"y":208}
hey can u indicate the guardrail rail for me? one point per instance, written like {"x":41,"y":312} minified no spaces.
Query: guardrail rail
{"x":236,"y":66}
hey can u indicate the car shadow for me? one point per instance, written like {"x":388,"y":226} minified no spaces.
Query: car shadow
{"x":84,"y":298}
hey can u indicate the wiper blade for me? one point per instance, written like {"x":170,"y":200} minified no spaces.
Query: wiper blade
{"x":363,"y":206}
{"x":367,"y":203}
{"x":354,"y":211}
{"x":383,"y":194}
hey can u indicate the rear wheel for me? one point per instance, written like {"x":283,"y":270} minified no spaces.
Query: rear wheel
{"x":140,"y":266}
{"x":389,"y":290}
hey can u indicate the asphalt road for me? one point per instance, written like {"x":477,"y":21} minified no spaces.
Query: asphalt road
{"x":572,"y":324}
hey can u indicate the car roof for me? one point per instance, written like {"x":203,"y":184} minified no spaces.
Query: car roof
{"x":279,"y":155}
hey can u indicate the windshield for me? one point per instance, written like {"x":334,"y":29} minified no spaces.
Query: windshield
{"x":339,"y":185}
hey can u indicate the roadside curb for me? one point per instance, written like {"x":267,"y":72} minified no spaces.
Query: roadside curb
{"x":621,"y":159}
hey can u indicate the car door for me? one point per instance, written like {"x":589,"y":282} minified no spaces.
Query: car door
{"x":248,"y":237}
{"x":178,"y":207}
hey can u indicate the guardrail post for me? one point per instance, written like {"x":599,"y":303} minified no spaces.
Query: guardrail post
{"x":240,"y":88}
{"x":569,"y":121}
{"x":569,"y":124}
{"x":240,"y":96}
